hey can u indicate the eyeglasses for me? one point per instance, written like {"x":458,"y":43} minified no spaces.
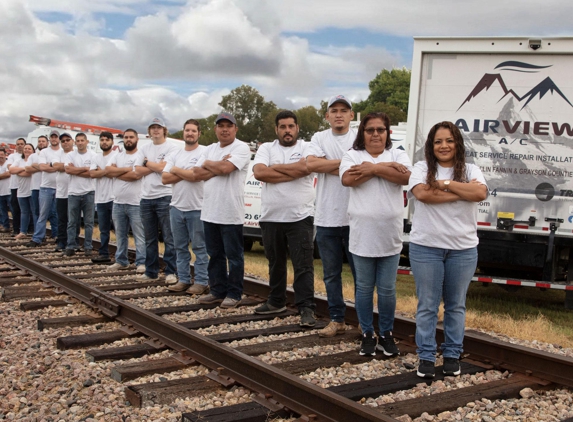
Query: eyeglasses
{"x":370,"y":131}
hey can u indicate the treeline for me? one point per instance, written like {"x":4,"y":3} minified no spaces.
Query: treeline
{"x":389,"y":92}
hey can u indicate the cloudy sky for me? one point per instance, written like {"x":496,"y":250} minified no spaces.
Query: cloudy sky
{"x":119,"y":63}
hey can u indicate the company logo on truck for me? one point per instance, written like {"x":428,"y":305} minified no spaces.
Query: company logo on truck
{"x":541,"y":89}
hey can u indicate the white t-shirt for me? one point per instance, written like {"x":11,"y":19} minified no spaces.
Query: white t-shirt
{"x":451,"y":225}
{"x":151,"y":186}
{"x":5,"y":183}
{"x":24,"y":183}
{"x":331,"y":196}
{"x":10,"y":160}
{"x":62,"y":178}
{"x":103,"y":185}
{"x":36,"y":177}
{"x":223,"y":196}
{"x":80,"y":185}
{"x":48,"y":156}
{"x":187,"y":196}
{"x":285,"y":202}
{"x":376,"y":207}
{"x":125,"y":192}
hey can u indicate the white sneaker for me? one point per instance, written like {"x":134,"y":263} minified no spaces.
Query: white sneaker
{"x":140,"y":269}
{"x":171,"y":278}
{"x":145,"y":277}
{"x":117,"y":266}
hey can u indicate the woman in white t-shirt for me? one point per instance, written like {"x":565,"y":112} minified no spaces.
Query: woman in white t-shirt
{"x":443,"y":243}
{"x":375,"y":174}
{"x":24,"y":189}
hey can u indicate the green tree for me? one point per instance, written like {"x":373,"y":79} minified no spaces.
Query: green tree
{"x":391,"y":87}
{"x":250,"y":110}
{"x":310,"y":121}
{"x":395,"y":114}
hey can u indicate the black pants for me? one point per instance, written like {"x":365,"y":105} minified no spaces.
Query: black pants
{"x":15,"y":208}
{"x":280,"y":239}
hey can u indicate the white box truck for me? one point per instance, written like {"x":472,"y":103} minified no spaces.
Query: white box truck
{"x":512,"y":98}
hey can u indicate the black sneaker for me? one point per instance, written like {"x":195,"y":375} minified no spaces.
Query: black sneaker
{"x":100,"y":259}
{"x":307,"y":318}
{"x":387,"y":345}
{"x":267,"y":308}
{"x":32,"y":244}
{"x":426,"y":369}
{"x":452,"y":367}
{"x":69,"y":252}
{"x":368,"y":346}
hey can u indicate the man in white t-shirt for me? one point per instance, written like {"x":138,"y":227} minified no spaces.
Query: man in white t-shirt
{"x":155,"y":200}
{"x":103,"y":194}
{"x":81,"y":195}
{"x":34,"y":170}
{"x":185,"y":212}
{"x":62,"y":183}
{"x":47,"y":193}
{"x":331,"y":218}
{"x":287,"y":205}
{"x":223,"y":166}
{"x":14,"y":205}
{"x":5,"y":194}
{"x":127,"y":196}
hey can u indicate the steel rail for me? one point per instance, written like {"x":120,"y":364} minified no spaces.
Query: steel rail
{"x":281,"y":387}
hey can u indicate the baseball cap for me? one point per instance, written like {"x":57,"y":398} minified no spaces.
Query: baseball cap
{"x":55,"y":132}
{"x":339,"y":99}
{"x":65,"y":134}
{"x":225,"y":116}
{"x":157,"y":121}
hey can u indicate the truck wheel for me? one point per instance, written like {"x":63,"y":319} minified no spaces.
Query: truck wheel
{"x":248,"y":245}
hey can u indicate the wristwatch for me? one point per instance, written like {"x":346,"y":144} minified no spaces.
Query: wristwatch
{"x":447,"y":184}
{"x":144,"y":163}
{"x":51,"y":164}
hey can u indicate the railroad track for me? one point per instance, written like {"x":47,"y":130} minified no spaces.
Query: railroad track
{"x":250,"y":360}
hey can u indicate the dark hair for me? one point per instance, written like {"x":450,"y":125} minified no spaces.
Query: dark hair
{"x":43,"y":136}
{"x":81,"y":134}
{"x":21,"y":139}
{"x":285,"y":114}
{"x":106,"y":135}
{"x":359,"y":141}
{"x":459,"y":156}
{"x":33,"y":149}
{"x":131,"y":130}
{"x":192,"y":122}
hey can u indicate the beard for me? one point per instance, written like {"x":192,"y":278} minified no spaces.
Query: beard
{"x":190,"y":142}
{"x":106,"y":148}
{"x":130,"y":147}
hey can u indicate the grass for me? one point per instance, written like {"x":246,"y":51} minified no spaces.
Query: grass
{"x":527,"y":314}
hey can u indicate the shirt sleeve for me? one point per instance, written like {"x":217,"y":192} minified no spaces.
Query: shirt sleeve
{"x":112,"y":160}
{"x":68,"y":159}
{"x":263,"y":155}
{"x":346,"y":162}
{"x":417,"y":177}
{"x":240,"y":156}
{"x":169,"y":163}
{"x":315,"y":147}
{"x":140,"y":155}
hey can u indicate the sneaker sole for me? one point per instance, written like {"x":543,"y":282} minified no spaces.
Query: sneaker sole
{"x":229,"y":306}
{"x":276,"y":311}
{"x":378,"y":347}
{"x":422,"y":375}
{"x":307,"y":324}
{"x":453,"y":374}
{"x":361,"y":353}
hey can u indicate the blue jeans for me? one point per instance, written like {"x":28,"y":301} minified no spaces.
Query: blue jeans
{"x":35,"y":204}
{"x":104,"y":212}
{"x":126,"y":216}
{"x":47,"y":203}
{"x":76,"y":205}
{"x":379,"y":272}
{"x":225,"y":243}
{"x":4,"y":208}
{"x":186,"y":227}
{"x":441,"y":273}
{"x":25,"y":213}
{"x":155,"y":215}
{"x":333,"y":244}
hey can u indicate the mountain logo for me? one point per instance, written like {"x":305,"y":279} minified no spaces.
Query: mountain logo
{"x":541,"y":89}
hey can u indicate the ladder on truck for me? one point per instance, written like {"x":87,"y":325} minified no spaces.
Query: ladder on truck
{"x":77,"y":127}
